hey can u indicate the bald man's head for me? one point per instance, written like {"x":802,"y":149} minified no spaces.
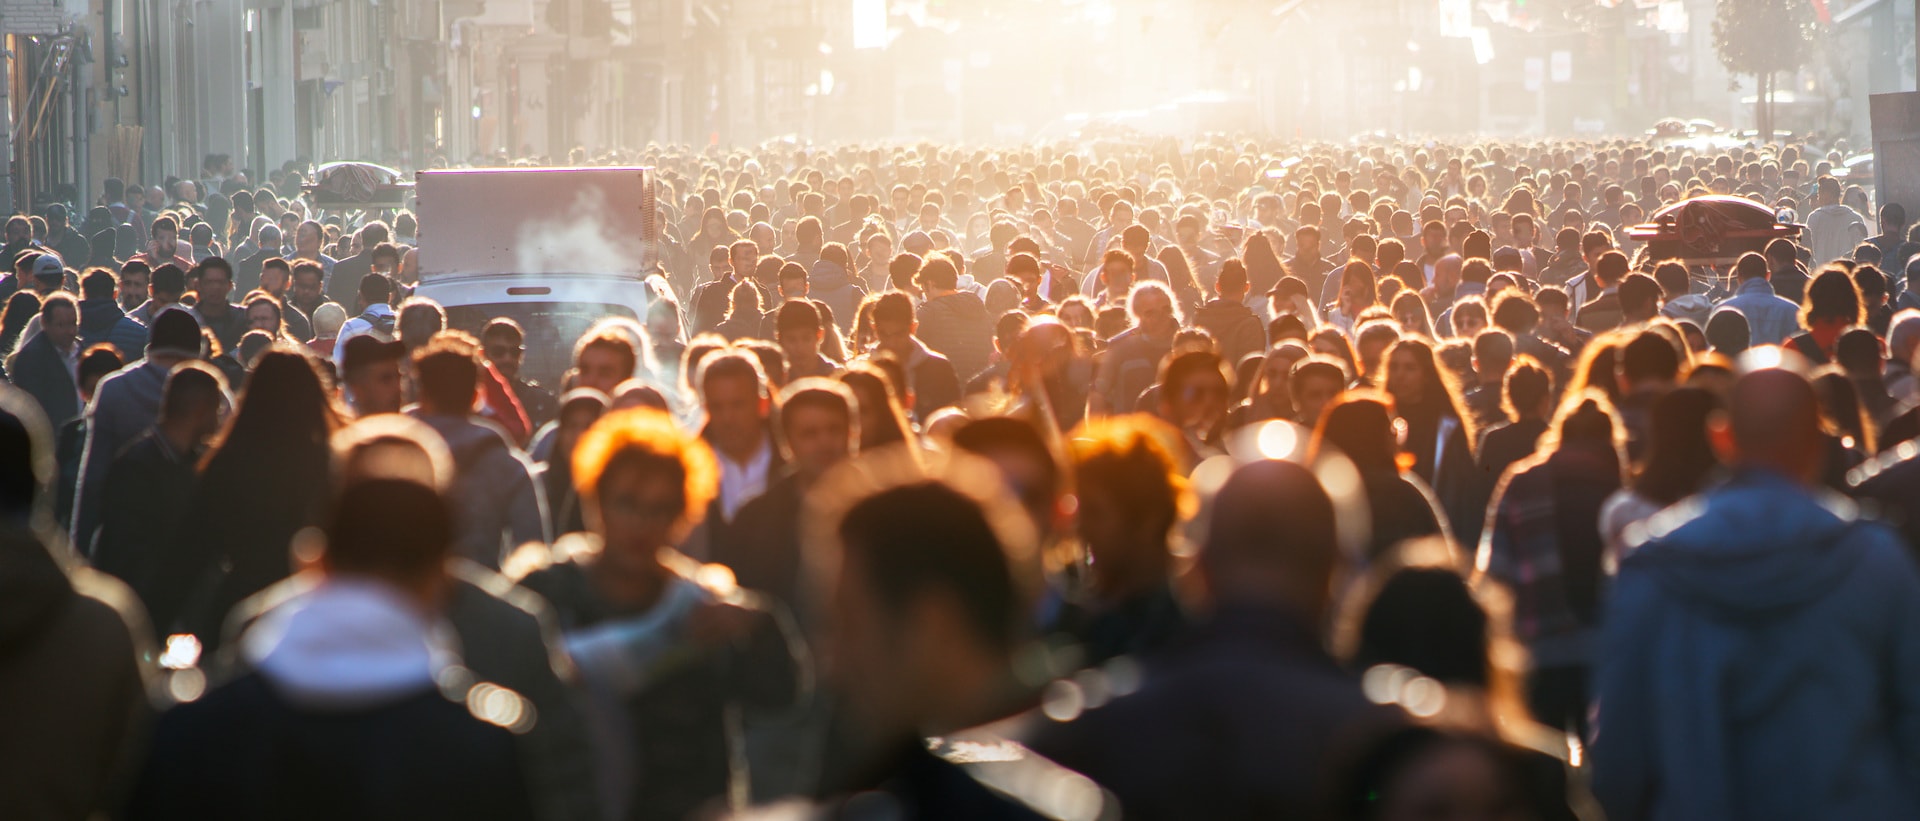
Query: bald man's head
{"x":1774,"y":418}
{"x":1272,"y":538}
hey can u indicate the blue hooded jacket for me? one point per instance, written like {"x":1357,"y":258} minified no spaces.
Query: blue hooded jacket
{"x":101,"y":320}
{"x":1760,"y":659}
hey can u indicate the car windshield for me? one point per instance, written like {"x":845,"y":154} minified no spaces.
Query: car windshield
{"x":552,"y":329}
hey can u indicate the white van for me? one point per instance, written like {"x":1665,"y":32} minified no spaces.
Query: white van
{"x":554,"y":249}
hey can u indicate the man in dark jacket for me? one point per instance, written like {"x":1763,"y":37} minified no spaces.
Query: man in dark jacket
{"x":306,"y":293}
{"x":1603,"y":312}
{"x":818,"y":429}
{"x":793,"y":285}
{"x":1785,"y":271}
{"x":742,"y":258}
{"x":1309,"y":261}
{"x":913,"y":562}
{"x":954,"y":323}
{"x":1244,"y":715}
{"x":347,"y":710}
{"x":101,"y":319}
{"x":930,"y":377}
{"x":19,"y":234}
{"x":799,"y":331}
{"x":1235,"y":329}
{"x":125,"y":405}
{"x":152,"y":481}
{"x":212,"y":281}
{"x":276,"y":278}
{"x":247,"y":272}
{"x":45,"y":367}
{"x":344,"y":284}
{"x":508,"y":636}
{"x":74,"y":670}
{"x":68,"y":243}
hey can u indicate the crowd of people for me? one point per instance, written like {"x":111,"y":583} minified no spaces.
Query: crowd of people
{"x":1139,"y":478}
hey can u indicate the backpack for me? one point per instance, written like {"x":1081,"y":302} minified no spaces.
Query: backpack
{"x":379,"y":327}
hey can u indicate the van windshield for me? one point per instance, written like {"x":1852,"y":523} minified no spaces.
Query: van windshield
{"x":552,"y":329}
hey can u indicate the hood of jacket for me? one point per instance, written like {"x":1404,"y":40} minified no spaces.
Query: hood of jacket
{"x":1758,"y":547}
{"x":827,"y":276}
{"x":347,"y":644}
{"x":32,"y":586}
{"x":1696,"y":307}
{"x":98,"y":316}
{"x":968,"y":285}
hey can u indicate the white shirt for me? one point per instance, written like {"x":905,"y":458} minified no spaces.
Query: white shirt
{"x":356,"y":327}
{"x":742,"y":483}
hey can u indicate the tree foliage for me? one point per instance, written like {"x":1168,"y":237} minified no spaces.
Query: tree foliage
{"x":1762,"y":37}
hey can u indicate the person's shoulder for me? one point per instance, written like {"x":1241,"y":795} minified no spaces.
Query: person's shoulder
{"x":145,"y":449}
{"x":209,"y":724}
{"x":930,"y":357}
{"x":782,"y":497}
{"x":106,"y":622}
{"x":122,"y":380}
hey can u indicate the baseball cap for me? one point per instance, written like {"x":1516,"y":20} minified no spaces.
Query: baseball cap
{"x":48,"y":266}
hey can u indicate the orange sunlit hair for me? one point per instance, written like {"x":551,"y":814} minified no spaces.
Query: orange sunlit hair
{"x":646,"y":438}
{"x":1131,"y":458}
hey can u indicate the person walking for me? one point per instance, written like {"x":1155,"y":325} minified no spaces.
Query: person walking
{"x":352,"y":706}
{"x":1760,"y":656}
{"x":501,"y":506}
{"x":264,"y":480}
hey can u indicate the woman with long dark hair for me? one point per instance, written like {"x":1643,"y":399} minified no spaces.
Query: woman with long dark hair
{"x":1331,"y":342}
{"x":22,"y":307}
{"x":714,"y":233}
{"x":1679,"y":462}
{"x":1186,"y":288}
{"x":1543,"y":541}
{"x":264,"y":479}
{"x":1264,"y":268}
{"x":1439,"y":435}
{"x":1267,"y":386}
{"x":1359,"y":424}
{"x":1411,"y":312}
{"x":881,"y":421}
{"x":1358,"y":292}
{"x":1850,"y":434}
